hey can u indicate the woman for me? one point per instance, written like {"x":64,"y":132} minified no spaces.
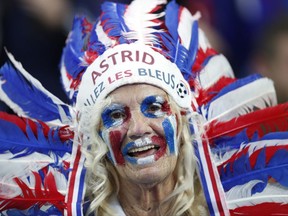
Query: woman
{"x":130,"y":106}
{"x":144,"y":86}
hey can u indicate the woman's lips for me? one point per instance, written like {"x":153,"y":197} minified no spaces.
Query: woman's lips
{"x":145,"y":150}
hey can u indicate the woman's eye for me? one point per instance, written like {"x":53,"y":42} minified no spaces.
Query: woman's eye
{"x":154,"y":107}
{"x":117,"y":115}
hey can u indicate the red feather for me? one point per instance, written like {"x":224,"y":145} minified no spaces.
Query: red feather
{"x":201,"y":57}
{"x":206,"y":95}
{"x":271,"y":119}
{"x":261,"y":209}
{"x":48,"y":194}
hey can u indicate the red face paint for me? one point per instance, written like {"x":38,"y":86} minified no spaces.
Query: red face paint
{"x":115,"y":138}
{"x":162,"y":143}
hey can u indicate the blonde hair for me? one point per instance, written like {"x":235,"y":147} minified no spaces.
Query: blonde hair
{"x":102,"y":180}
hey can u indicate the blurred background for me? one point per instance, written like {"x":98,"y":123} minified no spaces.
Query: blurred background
{"x":252,"y":34}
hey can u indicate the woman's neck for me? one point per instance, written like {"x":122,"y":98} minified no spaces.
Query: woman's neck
{"x":145,"y":199}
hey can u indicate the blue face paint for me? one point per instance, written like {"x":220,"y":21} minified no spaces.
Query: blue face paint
{"x":152,"y":107}
{"x":114,"y":115}
{"x":169,"y":126}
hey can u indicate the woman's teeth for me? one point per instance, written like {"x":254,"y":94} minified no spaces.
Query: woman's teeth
{"x":142,"y":149}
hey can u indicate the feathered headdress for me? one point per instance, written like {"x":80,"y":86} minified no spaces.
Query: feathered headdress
{"x":242,"y":152}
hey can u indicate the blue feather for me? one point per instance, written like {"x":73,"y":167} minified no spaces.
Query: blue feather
{"x":17,"y":141}
{"x":227,"y":143}
{"x":172,"y":11}
{"x":193,"y":46}
{"x":94,"y":43}
{"x":175,"y":51}
{"x":35,"y":210}
{"x":182,"y":57}
{"x":112,"y":18}
{"x":72,"y":53}
{"x":29,"y":98}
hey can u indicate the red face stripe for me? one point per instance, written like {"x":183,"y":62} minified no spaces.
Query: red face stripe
{"x":115,"y":141}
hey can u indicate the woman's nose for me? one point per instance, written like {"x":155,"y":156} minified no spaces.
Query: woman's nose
{"x":139,"y":126}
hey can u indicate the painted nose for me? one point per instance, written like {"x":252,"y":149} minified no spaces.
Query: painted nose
{"x":139,"y":126}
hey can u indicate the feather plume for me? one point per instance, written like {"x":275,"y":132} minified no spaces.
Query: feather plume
{"x":259,"y":123}
{"x":34,"y":166}
{"x":143,"y":21}
{"x":206,"y":95}
{"x":214,"y":68}
{"x":260,"y":163}
{"x":35,"y":192}
{"x":240,"y":197}
{"x":182,"y":45}
{"x":241,"y":97}
{"x":189,"y":37}
{"x":73,"y":60}
{"x":27,"y":97}
{"x":20,"y":134}
{"x":113,"y":22}
{"x":176,"y":52}
{"x":73,"y":52}
{"x":268,"y":208}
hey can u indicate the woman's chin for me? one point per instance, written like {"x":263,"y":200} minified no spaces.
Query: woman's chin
{"x":148,"y":173}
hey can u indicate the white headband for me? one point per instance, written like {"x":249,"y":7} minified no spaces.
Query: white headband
{"x":129,"y":64}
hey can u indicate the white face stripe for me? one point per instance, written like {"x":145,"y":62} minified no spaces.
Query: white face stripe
{"x":146,"y":160}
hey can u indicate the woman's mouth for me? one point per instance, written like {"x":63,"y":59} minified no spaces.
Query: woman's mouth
{"x":144,"y":150}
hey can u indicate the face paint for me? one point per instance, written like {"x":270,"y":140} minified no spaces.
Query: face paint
{"x":113,"y":116}
{"x":170,"y":127}
{"x":146,"y":149}
{"x":150,"y":149}
{"x":155,"y":107}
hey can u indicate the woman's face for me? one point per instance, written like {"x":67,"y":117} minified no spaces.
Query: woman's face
{"x":140,"y":129}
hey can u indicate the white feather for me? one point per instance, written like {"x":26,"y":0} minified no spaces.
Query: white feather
{"x":19,"y":167}
{"x":241,"y":195}
{"x":60,"y":180}
{"x":217,"y":67}
{"x":235,"y":103}
{"x":103,"y":37}
{"x":203,"y":40}
{"x":65,"y":119}
{"x":140,"y":21}
{"x":23,"y":168}
{"x":185,"y":26}
{"x":65,"y":80}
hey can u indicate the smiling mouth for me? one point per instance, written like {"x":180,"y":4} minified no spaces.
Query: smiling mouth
{"x":143,"y":151}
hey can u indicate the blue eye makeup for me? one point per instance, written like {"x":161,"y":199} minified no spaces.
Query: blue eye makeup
{"x":152,"y":106}
{"x":114,"y":115}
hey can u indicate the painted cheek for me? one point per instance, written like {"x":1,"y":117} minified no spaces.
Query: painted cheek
{"x":170,"y":128}
{"x":161,"y":142}
{"x":166,"y":108}
{"x":115,"y":138}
